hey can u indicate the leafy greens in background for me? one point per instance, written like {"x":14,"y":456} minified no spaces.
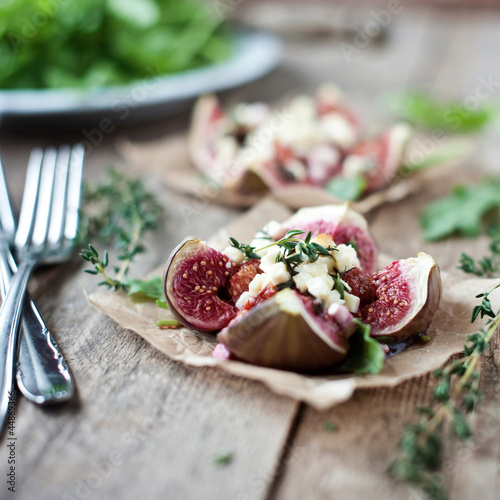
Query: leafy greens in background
{"x":50,"y":44}
{"x":462,"y":212}
{"x":453,"y":117}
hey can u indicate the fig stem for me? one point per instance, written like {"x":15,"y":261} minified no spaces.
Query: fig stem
{"x":167,"y":322}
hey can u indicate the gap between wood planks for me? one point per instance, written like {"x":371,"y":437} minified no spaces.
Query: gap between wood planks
{"x":286,"y":451}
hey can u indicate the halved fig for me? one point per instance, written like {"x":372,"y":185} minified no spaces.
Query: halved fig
{"x":285,"y":332}
{"x":343,"y":224}
{"x":407,"y":296}
{"x":208,"y":123}
{"x":239,"y":281}
{"x":378,"y":160}
{"x":196,"y":277}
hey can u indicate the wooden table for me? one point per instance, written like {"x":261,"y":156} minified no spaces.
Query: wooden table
{"x":144,"y":427}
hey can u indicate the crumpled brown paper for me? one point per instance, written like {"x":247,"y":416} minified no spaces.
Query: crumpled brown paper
{"x":169,"y":160}
{"x":448,"y":331}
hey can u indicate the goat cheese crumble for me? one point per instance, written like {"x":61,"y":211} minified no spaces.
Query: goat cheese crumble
{"x":312,"y":277}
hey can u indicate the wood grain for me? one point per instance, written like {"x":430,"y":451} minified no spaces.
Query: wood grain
{"x":143,"y":426}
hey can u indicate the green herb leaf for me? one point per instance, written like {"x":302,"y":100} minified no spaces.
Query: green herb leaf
{"x":440,"y":155}
{"x":140,"y":289}
{"x":347,"y":188}
{"x":365,"y":355}
{"x":223,"y":459}
{"x":460,"y":212}
{"x":454,"y":117}
{"x":330,"y":426}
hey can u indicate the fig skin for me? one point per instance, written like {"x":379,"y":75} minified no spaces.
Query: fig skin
{"x":425,"y":297}
{"x":179,"y":298}
{"x":282,"y":333}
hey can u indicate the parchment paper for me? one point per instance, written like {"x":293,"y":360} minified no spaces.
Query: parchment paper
{"x":448,"y":331}
{"x":169,"y":160}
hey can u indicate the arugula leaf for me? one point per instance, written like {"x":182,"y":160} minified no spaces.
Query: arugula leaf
{"x":60,"y":44}
{"x":365,"y":356}
{"x":139,"y":289}
{"x":453,"y":117}
{"x":347,"y":188}
{"x":461,"y":212}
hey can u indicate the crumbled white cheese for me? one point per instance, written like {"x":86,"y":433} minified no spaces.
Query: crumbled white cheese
{"x":296,"y":169}
{"x":269,"y":258}
{"x":259,"y":282}
{"x":250,"y":115}
{"x":337,"y":129}
{"x":351,"y":302}
{"x":313,"y":277}
{"x":345,"y":258}
{"x":245,"y":297}
{"x":278,"y":273}
{"x":273,"y":229}
{"x":332,"y":310}
{"x":234,"y":254}
{"x":355,"y":165}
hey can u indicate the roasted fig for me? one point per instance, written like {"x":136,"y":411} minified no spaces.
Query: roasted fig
{"x":295,"y":307}
{"x":407,"y":296}
{"x":286,"y":332}
{"x":342,"y":223}
{"x":194,"y":278}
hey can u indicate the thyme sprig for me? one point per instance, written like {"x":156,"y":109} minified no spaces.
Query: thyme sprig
{"x":100,"y":265}
{"x":116,"y":212}
{"x":489,"y":265}
{"x":456,"y":395}
{"x":119,"y":212}
{"x":295,"y":250}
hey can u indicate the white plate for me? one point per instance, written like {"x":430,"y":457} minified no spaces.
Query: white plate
{"x":256,"y":54}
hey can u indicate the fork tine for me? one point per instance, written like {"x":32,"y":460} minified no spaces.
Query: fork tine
{"x":29,"y":198}
{"x":74,"y":189}
{"x":7,"y":223}
{"x":45,"y":195}
{"x":59,"y":195}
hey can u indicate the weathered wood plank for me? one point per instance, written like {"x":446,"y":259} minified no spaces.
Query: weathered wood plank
{"x":351,"y":462}
{"x":142,"y":425}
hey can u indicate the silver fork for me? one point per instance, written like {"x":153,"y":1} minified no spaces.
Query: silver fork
{"x":42,"y":374}
{"x":48,"y":224}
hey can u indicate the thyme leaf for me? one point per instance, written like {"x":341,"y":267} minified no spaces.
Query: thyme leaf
{"x":118,"y":212}
{"x":456,"y":395}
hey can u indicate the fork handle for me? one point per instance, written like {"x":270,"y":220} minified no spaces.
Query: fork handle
{"x":10,"y":316}
{"x":43,"y":376}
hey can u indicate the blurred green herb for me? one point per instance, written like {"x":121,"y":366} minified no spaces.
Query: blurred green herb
{"x":440,"y":155}
{"x":456,"y":395}
{"x":330,"y":426}
{"x":487,"y":266}
{"x":106,"y":42}
{"x":347,"y":188}
{"x":422,"y":111}
{"x":223,"y":459}
{"x":461,"y":212}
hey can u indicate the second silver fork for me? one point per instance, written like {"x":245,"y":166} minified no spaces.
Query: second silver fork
{"x":42,"y":374}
